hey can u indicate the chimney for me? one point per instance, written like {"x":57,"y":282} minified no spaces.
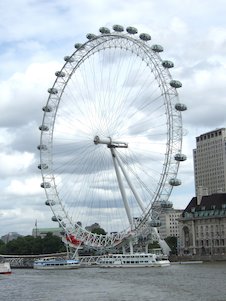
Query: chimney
{"x":201,"y":192}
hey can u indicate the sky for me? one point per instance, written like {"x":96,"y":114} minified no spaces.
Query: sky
{"x":35,"y":35}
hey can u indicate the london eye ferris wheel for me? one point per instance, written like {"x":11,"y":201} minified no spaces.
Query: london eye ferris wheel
{"x":111,"y":138}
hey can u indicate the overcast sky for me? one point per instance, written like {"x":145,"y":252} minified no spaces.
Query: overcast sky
{"x":35,"y":35}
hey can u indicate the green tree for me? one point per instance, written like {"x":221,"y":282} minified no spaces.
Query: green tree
{"x":52,"y":244}
{"x":2,"y":247}
{"x":172,"y":243}
{"x":99,"y":231}
{"x":29,"y":245}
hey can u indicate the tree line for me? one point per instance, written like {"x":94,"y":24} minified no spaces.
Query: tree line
{"x":29,"y":245}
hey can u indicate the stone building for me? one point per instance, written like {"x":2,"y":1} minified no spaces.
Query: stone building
{"x":42,"y":232}
{"x":169,"y":222}
{"x":203,"y":226}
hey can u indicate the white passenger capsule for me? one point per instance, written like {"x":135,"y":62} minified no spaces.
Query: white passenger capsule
{"x":60,"y":74}
{"x":56,"y":218}
{"x":43,"y":166}
{"x":175,"y":182}
{"x":167,"y":64}
{"x":90,"y":36}
{"x":78,"y":45}
{"x":157,"y":48}
{"x":69,"y":59}
{"x":47,"y":109}
{"x":104,"y":30}
{"x":131,"y":30}
{"x":42,"y":147}
{"x":43,"y":128}
{"x":180,"y":107}
{"x":180,"y":157}
{"x":175,"y":83}
{"x":118,"y":28}
{"x":52,"y":91}
{"x":50,"y":203}
{"x":145,"y":36}
{"x":45,"y":185}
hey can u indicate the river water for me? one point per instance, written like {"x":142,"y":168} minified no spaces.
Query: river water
{"x":190,"y":282}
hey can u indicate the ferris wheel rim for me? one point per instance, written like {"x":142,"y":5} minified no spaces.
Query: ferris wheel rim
{"x":48,"y":175}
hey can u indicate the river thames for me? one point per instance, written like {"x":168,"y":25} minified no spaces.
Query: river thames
{"x":179,"y":282}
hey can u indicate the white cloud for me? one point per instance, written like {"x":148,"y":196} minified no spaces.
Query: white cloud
{"x":15,"y":163}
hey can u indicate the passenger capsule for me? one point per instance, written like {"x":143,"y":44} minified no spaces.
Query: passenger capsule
{"x":118,"y":28}
{"x":43,"y":128}
{"x":145,"y":37}
{"x":155,"y":223}
{"x":180,"y":157}
{"x":175,"y":182}
{"x":167,"y":64}
{"x":180,"y":107}
{"x":52,"y":91}
{"x":131,"y":30}
{"x":157,"y":48}
{"x":60,"y":74}
{"x":104,"y":30}
{"x":50,"y":203}
{"x":42,"y":166}
{"x":166,"y":204}
{"x":175,"y":83}
{"x":47,"y":109}
{"x":69,"y":59}
{"x":56,"y":218}
{"x":45,"y":185}
{"x":78,"y":45}
{"x":42,"y":147}
{"x":90,"y":36}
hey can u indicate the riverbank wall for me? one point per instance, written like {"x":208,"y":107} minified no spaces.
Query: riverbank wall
{"x":204,"y":258}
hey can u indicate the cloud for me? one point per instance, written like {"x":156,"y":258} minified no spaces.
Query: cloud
{"x":15,"y":163}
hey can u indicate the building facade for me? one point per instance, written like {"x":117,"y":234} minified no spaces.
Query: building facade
{"x":169,"y":222}
{"x":202,"y":226}
{"x":210,"y":162}
{"x":42,"y":232}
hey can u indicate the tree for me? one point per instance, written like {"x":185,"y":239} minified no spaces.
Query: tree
{"x":29,"y":245}
{"x":52,"y":244}
{"x":172,"y":243}
{"x":99,"y":231}
{"x":2,"y":247}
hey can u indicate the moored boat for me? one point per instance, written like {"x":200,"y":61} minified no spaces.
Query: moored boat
{"x":133,"y":260}
{"x":5,"y":268}
{"x":55,"y":263}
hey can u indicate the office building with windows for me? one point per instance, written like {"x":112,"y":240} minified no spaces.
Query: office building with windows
{"x":210,"y":163}
{"x":169,"y":223}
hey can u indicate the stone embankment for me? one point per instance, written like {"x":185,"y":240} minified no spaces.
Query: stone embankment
{"x":204,"y":258}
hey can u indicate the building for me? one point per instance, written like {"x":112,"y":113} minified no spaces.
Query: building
{"x":42,"y":232}
{"x":169,"y":222}
{"x":210,"y":162}
{"x":10,"y":236}
{"x":203,"y":226}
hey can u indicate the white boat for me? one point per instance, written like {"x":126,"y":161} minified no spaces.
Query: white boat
{"x":5,"y":268}
{"x":136,"y":260}
{"x":56,"y":263}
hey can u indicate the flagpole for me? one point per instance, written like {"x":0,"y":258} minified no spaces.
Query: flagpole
{"x":36,"y":229}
